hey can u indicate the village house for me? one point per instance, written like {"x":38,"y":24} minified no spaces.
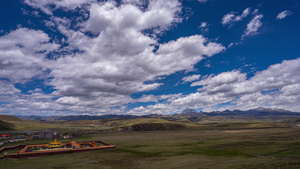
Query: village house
{"x":46,"y":134}
{"x":4,"y":136}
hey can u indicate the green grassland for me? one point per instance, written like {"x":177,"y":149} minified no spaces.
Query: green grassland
{"x":119,"y":123}
{"x":202,"y":143}
{"x":212,"y":145}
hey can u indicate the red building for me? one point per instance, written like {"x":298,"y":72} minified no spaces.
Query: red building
{"x":4,"y":136}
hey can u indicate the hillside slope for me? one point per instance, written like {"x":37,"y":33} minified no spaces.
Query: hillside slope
{"x":5,"y":125}
{"x":9,"y":118}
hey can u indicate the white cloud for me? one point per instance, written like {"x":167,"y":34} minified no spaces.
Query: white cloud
{"x":245,"y":12}
{"x":152,"y":109}
{"x":118,"y":60}
{"x":191,"y":78}
{"x":280,"y":83}
{"x":7,"y":89}
{"x":231,"y":44}
{"x":202,"y":1}
{"x":147,"y":98}
{"x":203,"y":25}
{"x":223,"y":78}
{"x":48,"y":6}
{"x":159,"y":14}
{"x":247,"y":93}
{"x":231,"y":18}
{"x":23,"y":54}
{"x":228,"y":18}
{"x":284,"y":14}
{"x":253,"y":26}
{"x":255,"y":12}
{"x":170,"y":97}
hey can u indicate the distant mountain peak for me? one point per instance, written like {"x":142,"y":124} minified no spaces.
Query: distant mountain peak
{"x":190,"y":112}
{"x":185,"y":111}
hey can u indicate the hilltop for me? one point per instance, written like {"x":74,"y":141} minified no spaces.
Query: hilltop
{"x":9,"y":118}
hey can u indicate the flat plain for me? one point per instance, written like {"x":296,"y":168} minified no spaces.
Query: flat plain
{"x":213,"y":147}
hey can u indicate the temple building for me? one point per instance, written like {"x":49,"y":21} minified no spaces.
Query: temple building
{"x":54,"y":144}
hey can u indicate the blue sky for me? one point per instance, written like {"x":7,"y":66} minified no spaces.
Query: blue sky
{"x":148,"y":57}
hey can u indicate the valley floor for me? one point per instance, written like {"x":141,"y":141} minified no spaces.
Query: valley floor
{"x":246,"y":148}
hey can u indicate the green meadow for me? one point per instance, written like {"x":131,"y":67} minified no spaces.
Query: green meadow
{"x":267,"y":147}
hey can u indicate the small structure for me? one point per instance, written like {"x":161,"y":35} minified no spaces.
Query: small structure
{"x":46,"y":134}
{"x":66,"y":136}
{"x":19,"y":137}
{"x":4,"y":136}
{"x":73,"y":143}
{"x":29,"y":138}
{"x":54,"y":144}
{"x":76,"y":146}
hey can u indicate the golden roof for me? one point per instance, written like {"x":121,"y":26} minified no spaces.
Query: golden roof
{"x":55,"y":142}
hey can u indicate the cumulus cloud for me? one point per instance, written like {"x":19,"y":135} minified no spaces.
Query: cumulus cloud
{"x":153,"y":109}
{"x":103,"y":59}
{"x":48,"y":6}
{"x":7,"y":89}
{"x":191,"y":78}
{"x":231,"y":18}
{"x":115,"y":52}
{"x":284,"y":14}
{"x":203,"y":25}
{"x":234,"y":83}
{"x":248,"y":93}
{"x":253,"y":26}
{"x":276,"y":87}
{"x":23,"y":54}
{"x":159,"y":14}
{"x":147,"y":98}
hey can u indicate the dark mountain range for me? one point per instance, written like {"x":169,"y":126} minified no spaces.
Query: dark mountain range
{"x":255,"y":113}
{"x":252,"y":112}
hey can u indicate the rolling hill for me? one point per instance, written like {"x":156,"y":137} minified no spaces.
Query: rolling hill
{"x":5,"y":125}
{"x":9,"y":118}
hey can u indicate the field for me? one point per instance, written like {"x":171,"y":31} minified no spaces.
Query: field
{"x":212,"y":147}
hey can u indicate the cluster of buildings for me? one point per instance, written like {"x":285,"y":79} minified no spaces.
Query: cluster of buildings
{"x":49,"y":134}
{"x":44,"y":134}
{"x":54,"y":147}
{"x":4,"y":136}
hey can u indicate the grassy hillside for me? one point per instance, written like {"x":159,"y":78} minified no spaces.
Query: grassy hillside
{"x":31,"y":125}
{"x":5,"y":125}
{"x":156,"y":126}
{"x":125,"y":123}
{"x":115,"y":122}
{"x":9,"y":118}
{"x":147,"y":124}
